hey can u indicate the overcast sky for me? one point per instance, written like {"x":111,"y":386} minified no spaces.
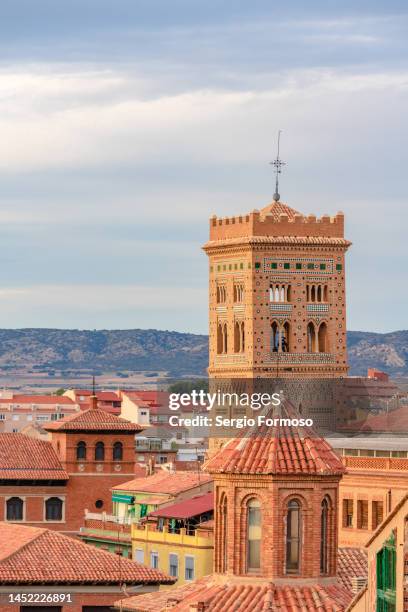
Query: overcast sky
{"x":124,"y":124}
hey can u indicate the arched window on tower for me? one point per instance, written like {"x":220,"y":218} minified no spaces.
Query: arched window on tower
{"x":286,"y":338}
{"x":219,"y":339}
{"x":254,"y":535}
{"x":293,"y":537}
{"x":99,"y":451}
{"x":274,"y":337}
{"x":237,"y":338}
{"x":225,"y":338}
{"x":311,"y":338}
{"x":117,"y":452}
{"x":81,"y":450}
{"x":224,"y":533}
{"x":322,"y":338}
{"x":324,"y":526}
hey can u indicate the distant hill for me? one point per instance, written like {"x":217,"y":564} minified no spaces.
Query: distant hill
{"x":179,"y":354}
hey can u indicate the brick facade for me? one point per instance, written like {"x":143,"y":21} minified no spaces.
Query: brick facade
{"x":276,"y":273}
{"x":274,"y":494}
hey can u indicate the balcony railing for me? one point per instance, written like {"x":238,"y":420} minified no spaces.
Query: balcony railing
{"x":148,"y":533}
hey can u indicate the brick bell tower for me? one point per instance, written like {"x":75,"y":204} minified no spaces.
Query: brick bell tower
{"x":277,"y":304}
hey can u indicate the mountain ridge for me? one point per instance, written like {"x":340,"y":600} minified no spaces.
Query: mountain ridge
{"x":178,"y":353}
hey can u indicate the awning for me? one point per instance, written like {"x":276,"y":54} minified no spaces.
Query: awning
{"x":124,"y":499}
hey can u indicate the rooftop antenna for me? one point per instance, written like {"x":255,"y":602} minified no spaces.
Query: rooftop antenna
{"x":277,"y":165}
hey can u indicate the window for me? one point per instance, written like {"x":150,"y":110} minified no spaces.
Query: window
{"x":293,"y":527}
{"x":323,"y":537}
{"x":298,"y":266}
{"x":117,"y":453}
{"x":317,"y":293}
{"x":254,"y":535}
{"x":53,"y":509}
{"x":348,"y":512}
{"x":173,"y":565}
{"x":362,"y":514}
{"x":222,"y":338}
{"x":376,"y":513}
{"x":239,"y":337}
{"x":322,"y":338}
{"x":99,"y":451}
{"x":2,"y":417}
{"x":311,"y":338}
{"x":154,"y":560}
{"x":322,"y":266}
{"x":257,"y":265}
{"x":386,"y":576}
{"x":99,"y":504}
{"x":81,"y":450}
{"x":339,"y":267}
{"x":14,"y":509}
{"x":286,"y":266}
{"x":238,"y":292}
{"x":224,"y":532}
{"x":221,"y":294}
{"x":139,"y":555}
{"x":189,"y":568}
{"x":280,"y":293}
{"x":310,"y":266}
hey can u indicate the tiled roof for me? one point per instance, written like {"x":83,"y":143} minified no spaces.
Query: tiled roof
{"x":395,"y":421}
{"x":277,"y":450}
{"x":30,"y":555}
{"x":278,"y":208}
{"x":165,"y":482}
{"x":38,"y":399}
{"x":242,"y":595}
{"x":351,"y":562}
{"x":106,"y":396}
{"x":93,"y":419}
{"x":189,"y":507}
{"x":25,"y":458}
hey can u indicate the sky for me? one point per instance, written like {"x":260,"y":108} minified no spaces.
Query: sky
{"x":125,"y":124}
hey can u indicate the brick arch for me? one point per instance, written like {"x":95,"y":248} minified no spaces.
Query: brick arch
{"x":306,"y":505}
{"x":241,"y":566}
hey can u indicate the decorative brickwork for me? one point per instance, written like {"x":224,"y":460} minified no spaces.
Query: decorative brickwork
{"x":288,"y":265}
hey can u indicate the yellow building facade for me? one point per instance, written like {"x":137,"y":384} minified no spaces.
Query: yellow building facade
{"x":184,"y":556}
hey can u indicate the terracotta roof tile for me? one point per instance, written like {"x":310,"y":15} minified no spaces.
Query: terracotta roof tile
{"x":22,"y":457}
{"x":93,"y":419}
{"x":187,"y":508}
{"x":277,"y":450}
{"x":279,"y":208}
{"x":38,"y":399}
{"x":351,"y":562}
{"x":41,"y":556}
{"x":165,"y":482}
{"x":236,"y":596}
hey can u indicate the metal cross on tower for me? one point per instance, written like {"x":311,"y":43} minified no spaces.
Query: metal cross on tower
{"x":277,"y":165}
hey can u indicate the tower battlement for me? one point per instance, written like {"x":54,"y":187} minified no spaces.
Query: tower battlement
{"x":277,"y":220}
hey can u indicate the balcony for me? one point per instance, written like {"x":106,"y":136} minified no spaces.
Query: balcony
{"x":149,"y":534}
